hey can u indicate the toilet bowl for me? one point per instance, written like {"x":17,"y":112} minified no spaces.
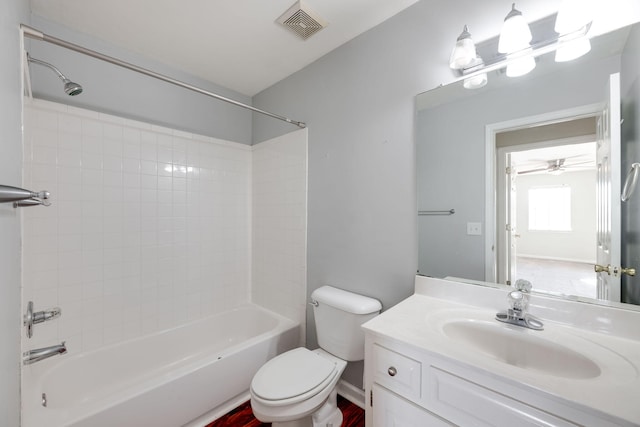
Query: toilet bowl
{"x":298,"y":388}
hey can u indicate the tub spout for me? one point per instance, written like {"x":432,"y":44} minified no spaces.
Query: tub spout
{"x":39,"y":354}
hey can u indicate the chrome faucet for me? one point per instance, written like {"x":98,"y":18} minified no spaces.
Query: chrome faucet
{"x":517,"y":313}
{"x":39,"y":354}
{"x":33,"y":318}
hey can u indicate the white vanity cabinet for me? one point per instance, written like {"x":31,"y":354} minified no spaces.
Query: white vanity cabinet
{"x":407,"y":387}
{"x":417,"y":375}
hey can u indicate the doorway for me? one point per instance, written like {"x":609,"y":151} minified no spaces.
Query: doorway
{"x":546,"y":206}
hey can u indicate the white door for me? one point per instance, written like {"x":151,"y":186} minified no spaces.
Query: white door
{"x":608,"y":194}
{"x":506,"y":204}
{"x":512,"y":225}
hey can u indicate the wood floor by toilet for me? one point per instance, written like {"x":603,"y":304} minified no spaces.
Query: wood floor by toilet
{"x":243,"y":417}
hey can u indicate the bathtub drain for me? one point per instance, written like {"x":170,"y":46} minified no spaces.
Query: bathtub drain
{"x":44,"y":399}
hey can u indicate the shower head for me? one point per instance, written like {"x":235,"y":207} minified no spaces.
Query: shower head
{"x":70,"y":88}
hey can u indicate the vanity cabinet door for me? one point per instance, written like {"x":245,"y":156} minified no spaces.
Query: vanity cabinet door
{"x":390,"y":410}
{"x":396,"y":372}
{"x":470,"y":404}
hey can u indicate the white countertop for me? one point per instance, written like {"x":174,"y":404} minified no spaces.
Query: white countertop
{"x":419,"y":319}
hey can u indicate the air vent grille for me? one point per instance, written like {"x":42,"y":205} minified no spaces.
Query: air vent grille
{"x":301,"y":20}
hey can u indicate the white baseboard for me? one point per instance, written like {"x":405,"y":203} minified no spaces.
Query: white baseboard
{"x":552,"y":258}
{"x":352,"y":393}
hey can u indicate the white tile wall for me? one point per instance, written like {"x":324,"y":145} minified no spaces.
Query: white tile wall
{"x":280,"y":225}
{"x":149,"y":227}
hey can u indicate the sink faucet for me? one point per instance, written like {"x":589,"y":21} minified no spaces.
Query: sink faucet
{"x":518,"y":305}
{"x":39,"y":354}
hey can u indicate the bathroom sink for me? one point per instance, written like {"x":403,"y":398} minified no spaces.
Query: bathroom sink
{"x":523,"y":348}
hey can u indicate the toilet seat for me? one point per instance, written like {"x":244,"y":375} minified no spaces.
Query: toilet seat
{"x":293,"y":377}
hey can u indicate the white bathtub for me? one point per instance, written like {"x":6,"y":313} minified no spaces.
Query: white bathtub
{"x":188,"y":375}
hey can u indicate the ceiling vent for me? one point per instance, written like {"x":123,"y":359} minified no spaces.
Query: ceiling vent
{"x":301,"y":20}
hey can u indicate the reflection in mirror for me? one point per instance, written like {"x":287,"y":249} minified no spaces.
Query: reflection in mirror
{"x":542,"y":128}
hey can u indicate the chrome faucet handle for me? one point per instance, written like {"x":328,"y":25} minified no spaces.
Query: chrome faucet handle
{"x":524,"y":285}
{"x":43,"y":195}
{"x":28,"y":319}
{"x":518,"y":301}
{"x":46,"y":315}
{"x":33,"y":318}
{"x":517,"y":313}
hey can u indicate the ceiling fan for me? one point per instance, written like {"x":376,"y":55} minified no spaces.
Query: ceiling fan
{"x":555,"y":166}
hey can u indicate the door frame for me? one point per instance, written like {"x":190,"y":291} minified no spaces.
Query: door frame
{"x":502,"y":195}
{"x":491,"y":130}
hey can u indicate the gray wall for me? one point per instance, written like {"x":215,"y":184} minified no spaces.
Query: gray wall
{"x":630,"y":82}
{"x":358,"y":101}
{"x":358,"y":104}
{"x":12,"y":13}
{"x":115,"y":90}
{"x":451,"y":155}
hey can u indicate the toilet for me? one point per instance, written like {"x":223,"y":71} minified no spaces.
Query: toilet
{"x":298,"y":388}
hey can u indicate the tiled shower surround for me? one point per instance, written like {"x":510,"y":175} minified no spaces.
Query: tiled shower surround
{"x":151,"y":228}
{"x":279,"y":226}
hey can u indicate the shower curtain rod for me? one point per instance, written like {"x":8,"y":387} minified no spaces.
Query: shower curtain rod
{"x":39,"y":35}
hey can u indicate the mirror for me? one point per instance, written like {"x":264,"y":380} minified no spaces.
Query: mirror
{"x":461,"y":223}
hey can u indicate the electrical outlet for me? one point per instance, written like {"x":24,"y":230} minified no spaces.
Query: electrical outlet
{"x":474,"y":229}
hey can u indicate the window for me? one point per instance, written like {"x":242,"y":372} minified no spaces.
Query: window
{"x":550,"y":209}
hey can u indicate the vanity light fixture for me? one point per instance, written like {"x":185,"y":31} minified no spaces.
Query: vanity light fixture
{"x":479,"y":80}
{"x":464,"y":51}
{"x":515,"y":34}
{"x":573,"y":49}
{"x":514,"y":37}
{"x":521,"y":66}
{"x":573,"y":15}
{"x":517,"y":52}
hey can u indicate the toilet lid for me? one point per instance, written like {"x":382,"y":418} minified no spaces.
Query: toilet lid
{"x":291,"y":374}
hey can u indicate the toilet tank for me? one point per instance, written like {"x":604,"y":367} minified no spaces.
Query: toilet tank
{"x":338,"y":315}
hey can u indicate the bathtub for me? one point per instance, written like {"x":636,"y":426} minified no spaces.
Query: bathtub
{"x":189,"y":375}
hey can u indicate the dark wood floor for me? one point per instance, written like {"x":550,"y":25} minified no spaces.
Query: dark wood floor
{"x":243,"y":417}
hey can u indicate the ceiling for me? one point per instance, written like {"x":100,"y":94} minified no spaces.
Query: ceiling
{"x":234,"y":43}
{"x":238,"y":44}
{"x":572,"y":157}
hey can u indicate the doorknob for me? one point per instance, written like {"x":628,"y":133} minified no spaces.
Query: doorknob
{"x":601,"y":268}
{"x":629,"y":271}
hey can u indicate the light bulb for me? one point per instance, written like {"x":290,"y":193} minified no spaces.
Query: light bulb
{"x":573,"y":49}
{"x":573,"y":15}
{"x":475,"y":82}
{"x":464,"y":51}
{"x":521,"y":66}
{"x":515,"y":34}
{"x":479,"y":80}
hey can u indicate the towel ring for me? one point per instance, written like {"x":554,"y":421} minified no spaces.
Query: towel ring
{"x":630,"y":182}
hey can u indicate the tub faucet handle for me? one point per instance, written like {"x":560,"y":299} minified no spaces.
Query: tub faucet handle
{"x":33,"y":318}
